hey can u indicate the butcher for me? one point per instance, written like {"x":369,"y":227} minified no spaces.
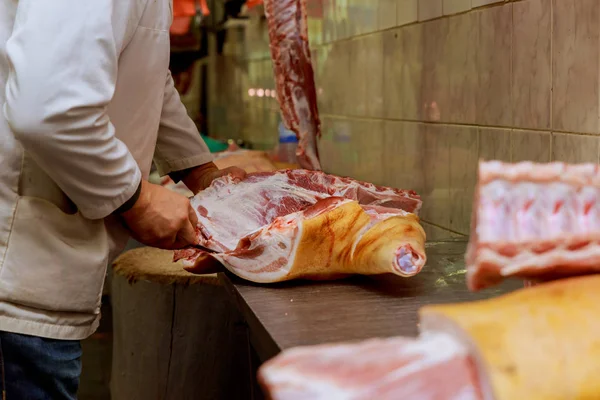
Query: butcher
{"x":88,"y":104}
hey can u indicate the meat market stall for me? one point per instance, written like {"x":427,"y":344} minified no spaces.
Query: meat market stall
{"x":274,"y":229}
{"x":509,"y":336}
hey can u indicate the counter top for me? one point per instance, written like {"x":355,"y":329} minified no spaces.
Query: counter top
{"x":293,"y":314}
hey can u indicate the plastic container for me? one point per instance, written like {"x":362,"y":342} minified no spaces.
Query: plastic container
{"x":288,"y":143}
{"x":214,"y":146}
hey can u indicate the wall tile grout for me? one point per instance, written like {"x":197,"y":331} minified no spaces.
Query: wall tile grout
{"x":551,"y":77}
{"x":454,"y":124}
{"x":443,"y":227}
{"x":442,"y":123}
{"x":477,"y":9}
{"x":429,"y":68}
{"x":512,"y":77}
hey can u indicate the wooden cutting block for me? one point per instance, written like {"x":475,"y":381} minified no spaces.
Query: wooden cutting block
{"x":176,"y":335}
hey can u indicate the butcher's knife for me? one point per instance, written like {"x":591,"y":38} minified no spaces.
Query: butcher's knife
{"x":205,"y":249}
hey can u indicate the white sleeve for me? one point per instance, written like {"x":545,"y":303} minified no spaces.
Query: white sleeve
{"x":63,"y":57}
{"x":179,"y":145}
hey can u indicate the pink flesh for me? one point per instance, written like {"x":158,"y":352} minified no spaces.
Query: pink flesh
{"x":408,"y":261}
{"x":534,"y":221}
{"x":253,"y":225}
{"x":267,"y":255}
{"x":429,"y":368}
{"x":294,"y":76}
{"x":238,"y":209}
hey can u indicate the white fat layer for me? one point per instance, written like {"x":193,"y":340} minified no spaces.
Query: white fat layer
{"x":491,"y":210}
{"x":434,"y":349}
{"x":287,"y":230}
{"x":189,"y":262}
{"x":236,"y":209}
{"x":316,"y":389}
{"x":426,"y":352}
{"x":435,"y":324}
{"x":248,"y":268}
{"x":573,"y":174}
{"x":587,"y":257}
{"x":531,"y":211}
{"x":466,"y":393}
{"x":382,"y":213}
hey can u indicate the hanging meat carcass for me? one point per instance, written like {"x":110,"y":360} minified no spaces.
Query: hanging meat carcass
{"x":294,"y":76}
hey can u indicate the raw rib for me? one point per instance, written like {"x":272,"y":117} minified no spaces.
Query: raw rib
{"x":294,"y":76}
{"x":534,"y":221}
{"x":434,"y":367}
{"x":303,"y":224}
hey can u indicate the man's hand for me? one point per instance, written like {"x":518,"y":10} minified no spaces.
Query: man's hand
{"x":202,"y":176}
{"x":162,"y":218}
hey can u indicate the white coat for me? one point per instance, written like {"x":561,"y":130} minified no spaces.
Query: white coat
{"x":87,"y":103}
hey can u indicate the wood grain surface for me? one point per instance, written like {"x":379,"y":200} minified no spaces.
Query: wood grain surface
{"x":307,"y":313}
{"x":174,"y":340}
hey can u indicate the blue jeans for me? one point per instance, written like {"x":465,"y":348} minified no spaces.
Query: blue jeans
{"x":34,"y":368}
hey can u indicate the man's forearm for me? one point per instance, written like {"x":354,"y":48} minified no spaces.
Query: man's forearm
{"x":197,"y":178}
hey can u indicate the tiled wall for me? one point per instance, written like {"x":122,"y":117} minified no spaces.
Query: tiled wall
{"x":413,"y":92}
